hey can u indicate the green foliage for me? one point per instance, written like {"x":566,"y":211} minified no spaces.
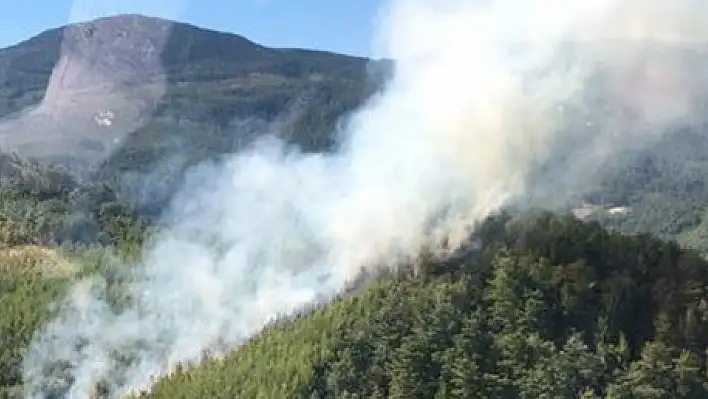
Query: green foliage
{"x":544,"y":307}
{"x":32,"y":279}
{"x":25,"y":292}
{"x":548,"y":307}
{"x":44,"y":205}
{"x":304,"y":113}
{"x":663,"y":186}
{"x":289,"y":350}
{"x":37,"y":208}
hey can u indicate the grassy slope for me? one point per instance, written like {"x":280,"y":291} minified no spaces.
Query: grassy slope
{"x":32,"y":278}
{"x":38,"y":205}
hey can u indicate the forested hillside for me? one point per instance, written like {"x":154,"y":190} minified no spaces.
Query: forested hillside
{"x":548,"y":307}
{"x":663,"y":188}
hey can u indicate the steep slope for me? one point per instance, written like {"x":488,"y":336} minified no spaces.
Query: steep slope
{"x":550,"y":307}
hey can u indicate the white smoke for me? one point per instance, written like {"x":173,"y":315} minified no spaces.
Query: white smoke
{"x":475,"y":106}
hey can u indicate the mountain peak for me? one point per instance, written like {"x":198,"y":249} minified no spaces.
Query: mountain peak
{"x":128,"y":18}
{"x":129,"y":49}
{"x":139,"y":25}
{"x":84,"y":90}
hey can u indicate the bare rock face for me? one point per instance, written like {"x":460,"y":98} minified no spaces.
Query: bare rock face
{"x":76,"y":94}
{"x":105,"y":85}
{"x":117,"y":51}
{"x":107,"y":61}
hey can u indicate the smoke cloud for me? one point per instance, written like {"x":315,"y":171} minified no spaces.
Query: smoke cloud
{"x":490,"y":101}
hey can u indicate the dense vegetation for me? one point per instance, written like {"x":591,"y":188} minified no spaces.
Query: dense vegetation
{"x":664,"y":187}
{"x":52,"y":229}
{"x":548,"y":307}
{"x":47,"y":205}
{"x":301,"y":112}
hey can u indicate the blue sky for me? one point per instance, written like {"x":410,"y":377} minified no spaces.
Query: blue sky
{"x":336,"y":25}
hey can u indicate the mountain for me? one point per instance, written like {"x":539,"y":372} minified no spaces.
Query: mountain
{"x":540,"y":306}
{"x":122,"y":96}
{"x":133,"y":101}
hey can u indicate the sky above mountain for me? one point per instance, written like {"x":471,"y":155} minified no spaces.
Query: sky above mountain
{"x":341,"y":26}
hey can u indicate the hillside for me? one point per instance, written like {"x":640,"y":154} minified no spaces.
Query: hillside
{"x":133,"y":101}
{"x":548,"y":307}
{"x":540,"y":305}
{"x":662,"y":189}
{"x":544,"y":306}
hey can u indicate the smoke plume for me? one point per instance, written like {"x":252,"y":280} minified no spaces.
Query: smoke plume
{"x":487,"y":97}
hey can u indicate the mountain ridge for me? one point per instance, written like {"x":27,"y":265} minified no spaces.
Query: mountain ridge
{"x":179,"y":51}
{"x":126,"y":94}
